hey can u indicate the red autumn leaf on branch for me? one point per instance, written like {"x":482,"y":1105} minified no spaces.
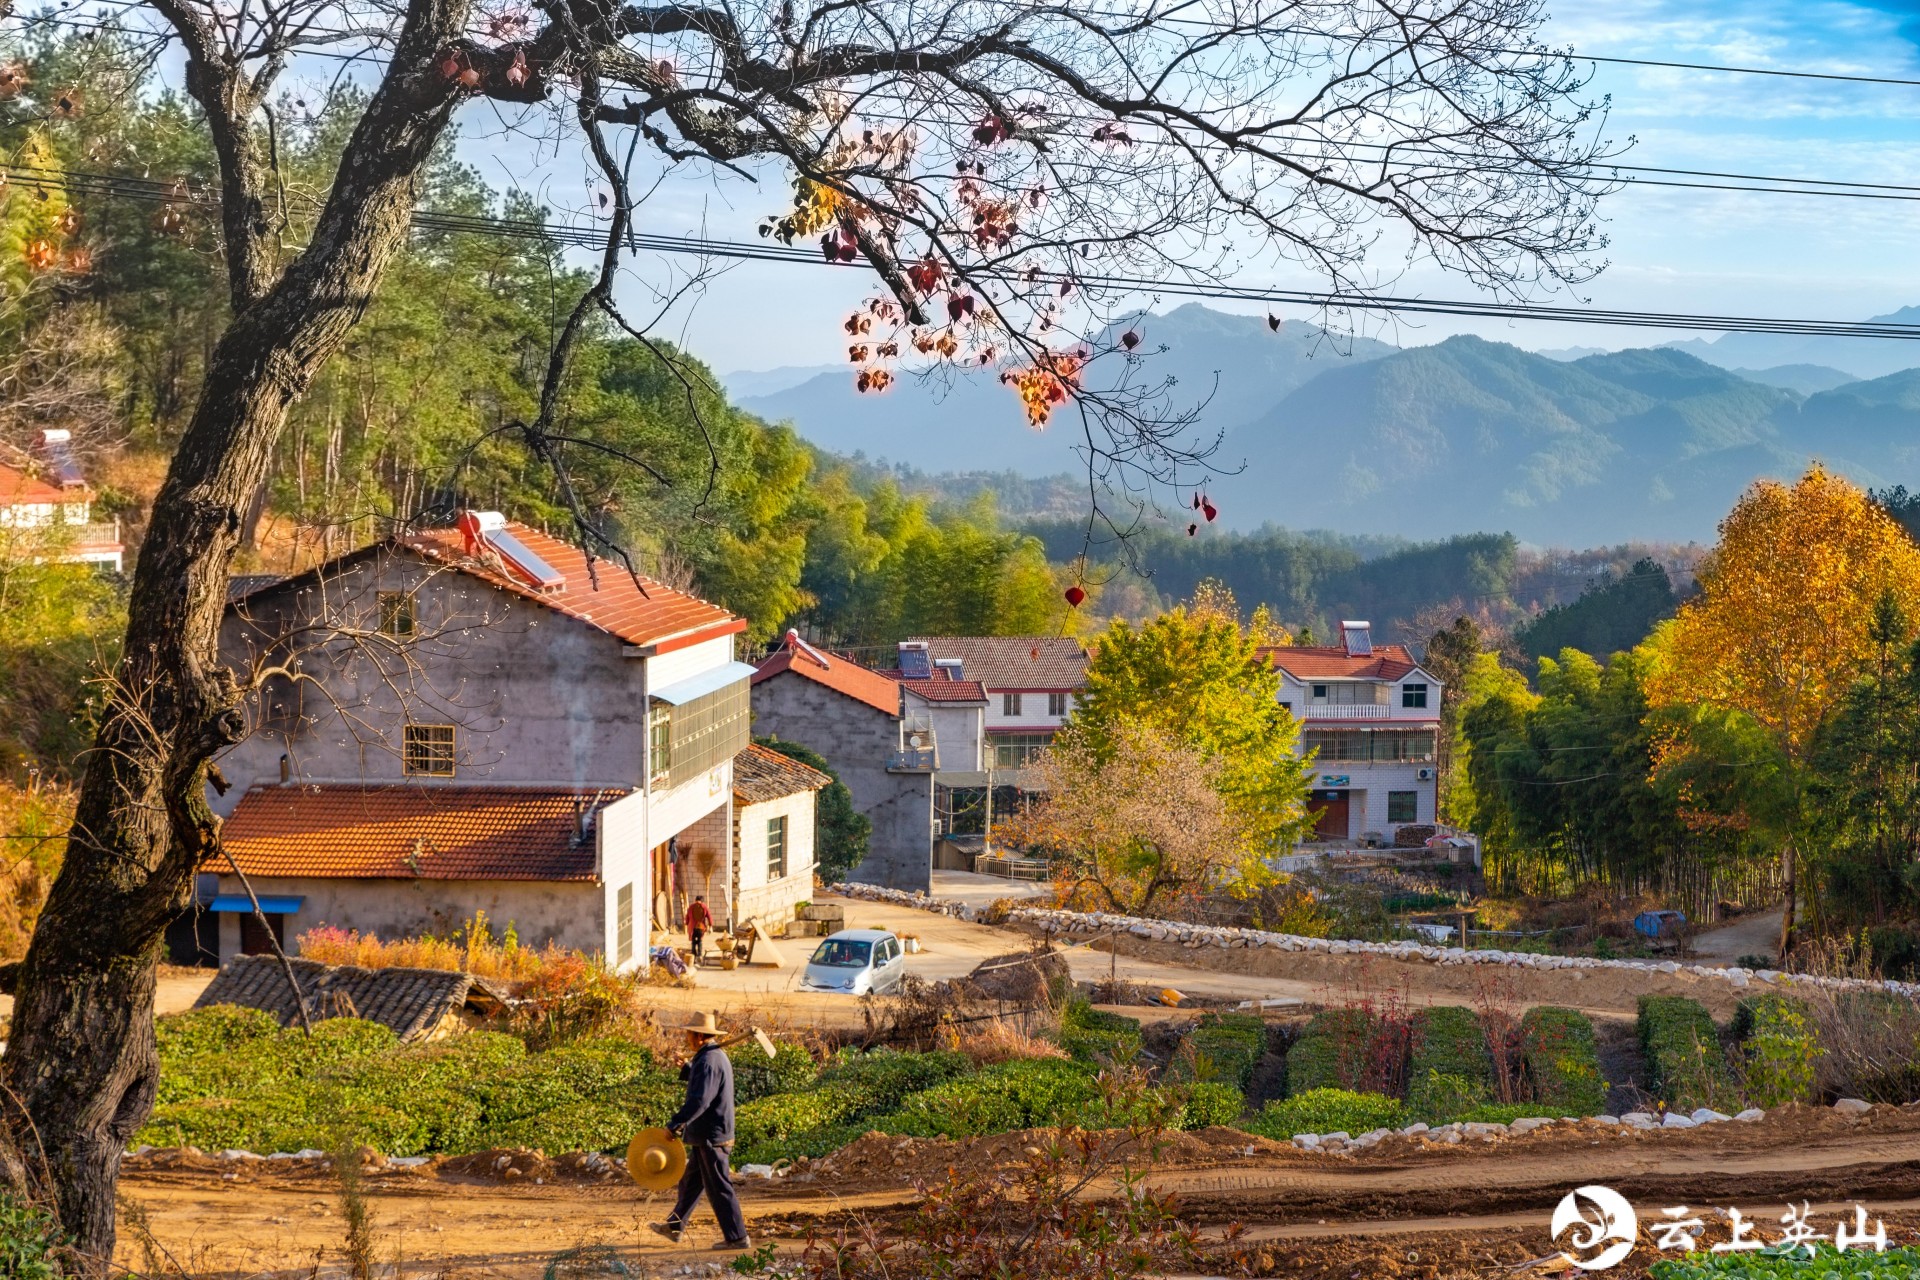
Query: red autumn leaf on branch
{"x":516,"y":74}
{"x":1075,"y":596}
{"x":924,"y":275}
{"x":1209,"y":510}
{"x":1273,"y":322}
{"x":1130,"y":339}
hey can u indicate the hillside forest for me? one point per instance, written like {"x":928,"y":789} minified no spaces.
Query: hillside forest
{"x":1556,"y":661}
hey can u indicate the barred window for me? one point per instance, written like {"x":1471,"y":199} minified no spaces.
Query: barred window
{"x":396,"y":613}
{"x":429,"y":750}
{"x":776,"y":848}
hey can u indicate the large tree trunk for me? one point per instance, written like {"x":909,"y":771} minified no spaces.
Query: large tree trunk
{"x":81,"y":1063}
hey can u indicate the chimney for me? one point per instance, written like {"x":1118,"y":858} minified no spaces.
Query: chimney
{"x":286,"y":769}
{"x":1357,"y":638}
{"x":579,"y":822}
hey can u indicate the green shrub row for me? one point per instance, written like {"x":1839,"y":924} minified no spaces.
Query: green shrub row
{"x":1778,"y":1050}
{"x":1449,"y":1071}
{"x":1561,"y":1063}
{"x":1826,"y":1264}
{"x":232,"y":1078}
{"x":1092,"y":1035}
{"x":1328,"y":1111}
{"x":1684,"y":1059}
{"x":1330,"y":1053}
{"x":1226,"y":1047}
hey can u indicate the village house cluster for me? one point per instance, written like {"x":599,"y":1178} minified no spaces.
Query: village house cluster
{"x":481,"y":719}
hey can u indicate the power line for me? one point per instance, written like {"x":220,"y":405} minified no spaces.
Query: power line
{"x":428,"y":220}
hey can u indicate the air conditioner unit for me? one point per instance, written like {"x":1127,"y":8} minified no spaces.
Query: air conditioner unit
{"x":1425,"y":775}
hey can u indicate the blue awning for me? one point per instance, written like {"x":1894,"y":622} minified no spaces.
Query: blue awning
{"x":681,"y":692}
{"x":272,"y":904}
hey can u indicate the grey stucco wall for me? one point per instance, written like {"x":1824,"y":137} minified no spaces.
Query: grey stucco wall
{"x":535,"y":697}
{"x":570,"y":914}
{"x":856,"y":740}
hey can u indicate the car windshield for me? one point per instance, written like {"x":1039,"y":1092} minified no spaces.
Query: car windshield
{"x":843,"y":953}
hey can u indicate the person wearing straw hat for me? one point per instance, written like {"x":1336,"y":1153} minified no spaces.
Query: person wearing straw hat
{"x":705,"y":1123}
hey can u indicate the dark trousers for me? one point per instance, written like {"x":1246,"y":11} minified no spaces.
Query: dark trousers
{"x":696,"y":939}
{"x":707,"y":1171}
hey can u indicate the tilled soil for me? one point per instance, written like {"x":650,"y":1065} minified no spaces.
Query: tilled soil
{"x":1408,"y":1207}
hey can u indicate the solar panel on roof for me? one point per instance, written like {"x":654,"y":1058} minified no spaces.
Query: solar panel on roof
{"x":520,"y":557}
{"x":915,"y":664}
{"x":57,"y":448}
{"x":1358,"y":637}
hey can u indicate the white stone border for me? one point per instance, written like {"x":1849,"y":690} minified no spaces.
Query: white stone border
{"x":1196,"y":936}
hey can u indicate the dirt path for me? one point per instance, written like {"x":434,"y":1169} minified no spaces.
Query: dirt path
{"x":1756,"y":935}
{"x":1468,"y":1210}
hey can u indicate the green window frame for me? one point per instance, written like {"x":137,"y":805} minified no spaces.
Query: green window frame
{"x":776,"y":848}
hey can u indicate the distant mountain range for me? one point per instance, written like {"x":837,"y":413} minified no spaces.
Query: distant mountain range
{"x":1861,"y":357}
{"x":1361,"y":437}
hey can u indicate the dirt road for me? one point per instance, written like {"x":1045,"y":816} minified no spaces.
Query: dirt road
{"x":1408,"y":1207}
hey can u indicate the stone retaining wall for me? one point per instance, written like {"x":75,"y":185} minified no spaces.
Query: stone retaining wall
{"x":1198,"y":937}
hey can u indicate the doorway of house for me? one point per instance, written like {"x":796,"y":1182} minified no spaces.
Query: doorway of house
{"x":255,"y":938}
{"x":1329,"y":809}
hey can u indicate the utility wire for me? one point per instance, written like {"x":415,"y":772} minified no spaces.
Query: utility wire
{"x":153,"y":191}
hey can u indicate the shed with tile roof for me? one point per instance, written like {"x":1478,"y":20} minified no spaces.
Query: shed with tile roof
{"x":774,"y":828}
{"x":418,"y":1004}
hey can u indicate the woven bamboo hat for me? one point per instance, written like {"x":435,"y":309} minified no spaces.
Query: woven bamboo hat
{"x":704,"y":1025}
{"x":656,"y":1160}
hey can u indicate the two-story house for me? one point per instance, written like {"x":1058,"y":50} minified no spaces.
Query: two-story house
{"x":48,"y":515}
{"x":1371,"y":715}
{"x":854,"y":717}
{"x":478,"y":719}
{"x":1032,"y":685}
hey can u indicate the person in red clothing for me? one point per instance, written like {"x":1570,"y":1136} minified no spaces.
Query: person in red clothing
{"x":699,"y":920}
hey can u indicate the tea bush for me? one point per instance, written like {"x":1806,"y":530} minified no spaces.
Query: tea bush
{"x":1207,"y":1103}
{"x":1826,"y":1264}
{"x":1778,"y":1050}
{"x":757,"y":1076}
{"x":1092,"y":1035}
{"x":1561,"y":1062}
{"x":30,"y":1241}
{"x":1012,"y":1095}
{"x":232,"y":1078}
{"x":1328,"y":1111}
{"x":1225,"y":1047}
{"x":1441,"y":1097}
{"x":1684,"y":1058}
{"x":1330,"y":1053}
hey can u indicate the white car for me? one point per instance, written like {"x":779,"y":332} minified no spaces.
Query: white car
{"x":856,"y":962}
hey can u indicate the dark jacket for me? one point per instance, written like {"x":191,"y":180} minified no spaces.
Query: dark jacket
{"x":706,"y":1118}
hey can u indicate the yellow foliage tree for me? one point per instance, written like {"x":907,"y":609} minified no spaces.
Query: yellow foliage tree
{"x":1779,"y":630}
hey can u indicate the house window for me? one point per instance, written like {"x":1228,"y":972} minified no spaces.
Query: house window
{"x":1009,"y":704}
{"x":1403,"y":806}
{"x":396,"y":613}
{"x":776,"y":848}
{"x":1018,"y":750}
{"x":1286,"y":706}
{"x":1413,"y":695}
{"x":660,"y":742}
{"x":429,"y":750}
{"x":1056,"y":704}
{"x":623,"y":924}
{"x":1319,"y":693}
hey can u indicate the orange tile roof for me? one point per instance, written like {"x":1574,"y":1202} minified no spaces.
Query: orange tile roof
{"x":944,"y":688}
{"x":409,"y":831}
{"x":17,"y":487}
{"x":842,"y":675}
{"x":1310,"y":662}
{"x":761,"y":773}
{"x":658,"y":616}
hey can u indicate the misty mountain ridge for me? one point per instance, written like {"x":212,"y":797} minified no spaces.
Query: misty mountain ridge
{"x":1358,"y":436}
{"x":1860,"y":357}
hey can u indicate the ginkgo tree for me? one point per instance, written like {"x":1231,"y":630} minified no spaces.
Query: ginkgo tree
{"x":1780,"y":632}
{"x":1013,"y":173}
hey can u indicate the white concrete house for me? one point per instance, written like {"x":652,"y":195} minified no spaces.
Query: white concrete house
{"x":476,"y":719}
{"x":1372,"y":716}
{"x":48,"y":515}
{"x":773,"y":834}
{"x":1032,"y":683}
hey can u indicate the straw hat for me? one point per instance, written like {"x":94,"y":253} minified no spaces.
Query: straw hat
{"x":656,"y":1160}
{"x":704,"y":1025}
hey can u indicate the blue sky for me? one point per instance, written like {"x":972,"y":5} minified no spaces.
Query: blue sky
{"x":1672,"y":250}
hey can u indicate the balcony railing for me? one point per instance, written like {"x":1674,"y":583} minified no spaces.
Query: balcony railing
{"x":913,"y":760}
{"x":1348,"y":711}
